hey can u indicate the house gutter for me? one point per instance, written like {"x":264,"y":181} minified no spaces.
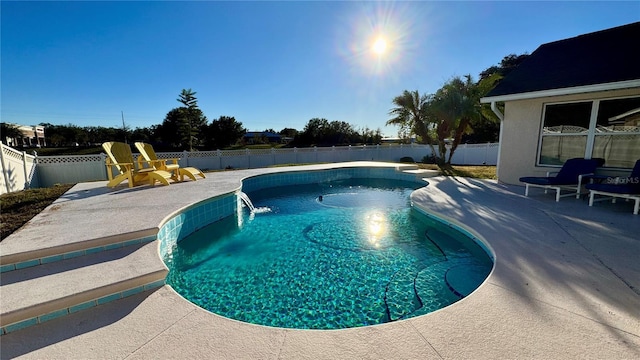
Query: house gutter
{"x":619,"y":85}
{"x":494,"y":108}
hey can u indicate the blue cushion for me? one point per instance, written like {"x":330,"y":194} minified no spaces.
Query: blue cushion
{"x":539,"y":180}
{"x":615,"y":188}
{"x":635,"y":173}
{"x":574,"y":167}
{"x":568,"y":174}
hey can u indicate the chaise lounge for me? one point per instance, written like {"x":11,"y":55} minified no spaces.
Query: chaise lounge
{"x":568,"y":178}
{"x":625,"y":188}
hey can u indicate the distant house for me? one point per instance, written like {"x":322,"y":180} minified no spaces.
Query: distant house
{"x":262,"y":137}
{"x":578,"y":97}
{"x":32,"y":136}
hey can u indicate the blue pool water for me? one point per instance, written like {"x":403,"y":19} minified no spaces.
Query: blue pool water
{"x":361,"y":256}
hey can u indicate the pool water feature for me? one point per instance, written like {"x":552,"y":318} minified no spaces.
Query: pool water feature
{"x":331,"y":255}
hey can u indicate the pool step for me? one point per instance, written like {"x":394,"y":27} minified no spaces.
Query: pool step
{"x":403,"y":167}
{"x":40,"y":293}
{"x":422,"y":173}
{"x":14,"y":256}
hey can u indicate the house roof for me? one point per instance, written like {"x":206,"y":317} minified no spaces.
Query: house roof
{"x":603,"y":60}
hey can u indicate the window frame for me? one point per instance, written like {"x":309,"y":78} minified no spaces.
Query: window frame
{"x":591,"y":130}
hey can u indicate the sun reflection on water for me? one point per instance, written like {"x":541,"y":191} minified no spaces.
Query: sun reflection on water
{"x":376,"y":223}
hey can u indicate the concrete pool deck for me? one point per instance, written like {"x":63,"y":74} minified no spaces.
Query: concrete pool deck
{"x":566,"y":283}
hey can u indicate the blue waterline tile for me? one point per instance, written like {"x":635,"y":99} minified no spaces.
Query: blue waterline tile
{"x":133,"y":291}
{"x":53,"y":315}
{"x":113,"y":246}
{"x":74,"y":254}
{"x":83,"y":306}
{"x":20,"y":325}
{"x":108,"y":298}
{"x":131,"y":242}
{"x":27,"y":264}
{"x":149,"y":238}
{"x":51,"y":259}
{"x":154,"y":285}
{"x":94,"y":250}
{"x":9,"y":267}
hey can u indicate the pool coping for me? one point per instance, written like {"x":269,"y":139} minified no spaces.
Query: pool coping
{"x":578,"y":305}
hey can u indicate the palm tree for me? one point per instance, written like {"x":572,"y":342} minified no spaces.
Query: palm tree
{"x":457,"y":106}
{"x":411,"y":114}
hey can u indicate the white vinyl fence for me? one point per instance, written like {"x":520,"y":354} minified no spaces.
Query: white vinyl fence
{"x":18,"y":170}
{"x":45,"y":171}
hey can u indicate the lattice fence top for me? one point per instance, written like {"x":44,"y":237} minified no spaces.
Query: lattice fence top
{"x":564,"y":129}
{"x":70,"y":159}
{"x":618,"y":129}
{"x":303,"y":150}
{"x":225,"y":153}
{"x":13,"y":154}
{"x":260,"y":151}
{"x":199,"y":154}
{"x":169,"y":155}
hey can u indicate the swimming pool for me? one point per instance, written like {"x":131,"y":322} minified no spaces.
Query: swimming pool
{"x":359,"y":256}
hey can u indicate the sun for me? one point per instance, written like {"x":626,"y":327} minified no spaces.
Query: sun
{"x":379,"y":46}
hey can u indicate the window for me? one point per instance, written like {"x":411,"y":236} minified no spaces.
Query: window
{"x":617,"y":132}
{"x":608,"y":129}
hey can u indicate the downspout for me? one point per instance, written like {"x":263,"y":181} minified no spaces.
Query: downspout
{"x":494,"y":108}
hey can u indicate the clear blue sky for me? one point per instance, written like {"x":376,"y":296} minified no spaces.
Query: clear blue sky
{"x":268,"y":64}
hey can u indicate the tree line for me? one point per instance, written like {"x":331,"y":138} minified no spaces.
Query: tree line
{"x":187,"y":128}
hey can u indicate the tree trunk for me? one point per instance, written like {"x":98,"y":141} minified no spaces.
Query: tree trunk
{"x":457,"y":138}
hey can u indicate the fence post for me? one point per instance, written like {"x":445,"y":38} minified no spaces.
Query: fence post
{"x":103,"y":158}
{"x":295,"y":151}
{"x":273,"y":156}
{"x":486,"y":154}
{"x":4,"y":169}
{"x":185,"y":154}
{"x":24,"y":169}
{"x":464,"y":154}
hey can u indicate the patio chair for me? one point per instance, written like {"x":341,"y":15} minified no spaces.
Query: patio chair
{"x":148,"y":156}
{"x":119,"y":157}
{"x":625,"y":188}
{"x":568,"y":178}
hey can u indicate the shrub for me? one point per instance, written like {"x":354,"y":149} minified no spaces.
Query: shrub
{"x":406,"y":159}
{"x":430,"y":159}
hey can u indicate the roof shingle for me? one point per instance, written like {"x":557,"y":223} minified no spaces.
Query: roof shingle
{"x":606,"y":56}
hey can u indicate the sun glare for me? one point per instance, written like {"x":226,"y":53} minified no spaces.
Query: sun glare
{"x":377,"y":38}
{"x":380,"y":46}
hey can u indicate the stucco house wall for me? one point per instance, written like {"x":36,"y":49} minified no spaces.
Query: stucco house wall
{"x":522,"y":129}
